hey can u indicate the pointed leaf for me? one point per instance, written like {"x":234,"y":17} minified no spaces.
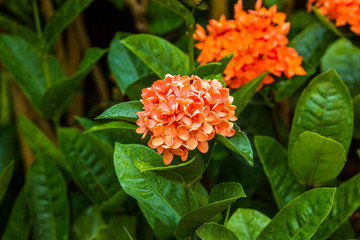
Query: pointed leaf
{"x":300,"y":218}
{"x":247,"y":223}
{"x":317,"y":163}
{"x":213,"y":67}
{"x":324,"y":107}
{"x":238,"y":143}
{"x":179,"y":9}
{"x":123,"y":111}
{"x":214,"y":231}
{"x":222,"y":196}
{"x":243,"y":95}
{"x":89,"y":162}
{"x":45,"y":190}
{"x":114,"y":125}
{"x":134,"y":90}
{"x":274,"y":160}
{"x":346,"y":201}
{"x":326,"y":22}
{"x":5,"y":177}
{"x":159,"y":55}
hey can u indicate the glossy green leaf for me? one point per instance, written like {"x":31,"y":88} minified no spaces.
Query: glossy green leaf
{"x":115,"y":203}
{"x":45,"y":190}
{"x":125,"y":65}
{"x":89,"y":162}
{"x":238,"y":143}
{"x":123,"y":111}
{"x":300,"y":218}
{"x":247,"y":223}
{"x":345,"y":59}
{"x":62,"y":17}
{"x":118,"y":228}
{"x":213,"y":67}
{"x":113,"y":125}
{"x":134,"y":90}
{"x":356,"y":103}
{"x":56,"y":98}
{"x":312,"y":42}
{"x":87,"y":224}
{"x":324,"y":107}
{"x":214,"y":231}
{"x":165,"y":198}
{"x":159,"y":55}
{"x":316,"y":163}
{"x":222,"y":196}
{"x":331,"y":26}
{"x":274,"y":160}
{"x":243,"y":95}
{"x":18,"y":225}
{"x":27,"y":67}
{"x":5,"y":177}
{"x":346,"y":201}
{"x":179,"y":9}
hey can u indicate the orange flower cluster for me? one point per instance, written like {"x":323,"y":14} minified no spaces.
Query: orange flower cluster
{"x":257,"y":39}
{"x":342,"y":11}
{"x":183,"y":113}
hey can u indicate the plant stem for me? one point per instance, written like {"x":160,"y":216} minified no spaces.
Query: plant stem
{"x":227,"y":215}
{"x":37,"y":18}
{"x":191,"y":47}
{"x":187,"y":196}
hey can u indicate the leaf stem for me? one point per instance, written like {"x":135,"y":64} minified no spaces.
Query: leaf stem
{"x":37,"y":18}
{"x":227,"y":215}
{"x":187,"y":196}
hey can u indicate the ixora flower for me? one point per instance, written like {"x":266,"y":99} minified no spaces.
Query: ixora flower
{"x":343,"y":12}
{"x":257,"y":38}
{"x":182,"y":113}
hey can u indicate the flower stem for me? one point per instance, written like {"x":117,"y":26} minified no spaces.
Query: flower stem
{"x":187,"y":196}
{"x":37,"y":18}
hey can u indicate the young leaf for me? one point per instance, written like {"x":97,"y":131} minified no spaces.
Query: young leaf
{"x":274,"y":160}
{"x":62,"y":17}
{"x":116,"y":228}
{"x":5,"y":177}
{"x":158,"y":54}
{"x":56,"y":99}
{"x":86,"y":225}
{"x":222,"y":196}
{"x":345,"y":59}
{"x":356,"y":103}
{"x":324,"y":107}
{"x":123,"y":111}
{"x":316,"y":160}
{"x":89,"y":162}
{"x":346,"y":201}
{"x":166,"y":199}
{"x":18,"y":225}
{"x":214,"y":231}
{"x":300,"y":218}
{"x":243,"y":95}
{"x":125,"y":65}
{"x":45,"y":190}
{"x":238,"y":143}
{"x":247,"y":223}
{"x":179,"y":9}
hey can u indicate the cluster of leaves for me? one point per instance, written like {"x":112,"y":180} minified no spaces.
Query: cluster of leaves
{"x":72,"y":189}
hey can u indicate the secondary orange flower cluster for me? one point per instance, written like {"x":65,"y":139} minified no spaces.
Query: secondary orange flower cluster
{"x":183,"y":113}
{"x":257,"y":38}
{"x":342,"y":11}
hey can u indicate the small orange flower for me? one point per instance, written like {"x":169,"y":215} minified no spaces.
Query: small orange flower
{"x":183,"y":113}
{"x":257,"y":38}
{"x":342,"y":11}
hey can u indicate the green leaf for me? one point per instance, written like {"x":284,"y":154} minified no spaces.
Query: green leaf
{"x":238,"y":143}
{"x":126,"y":66}
{"x":113,"y":125}
{"x":159,"y":55}
{"x":300,"y":218}
{"x":247,"y":223}
{"x":274,"y":160}
{"x":356,"y":103}
{"x":188,"y":172}
{"x":331,"y":26}
{"x":179,"y":9}
{"x":45,"y":190}
{"x":55,"y":100}
{"x":312,"y":42}
{"x":201,"y":6}
{"x":89,"y":162}
{"x":222,"y":196}
{"x":118,"y":228}
{"x":9,"y":149}
{"x":115,"y":203}
{"x":166,"y":199}
{"x":123,"y":111}
{"x":214,"y":231}
{"x":87,"y":224}
{"x":243,"y":95}
{"x":324,"y":107}
{"x":5,"y":177}
{"x":62,"y":17}
{"x":27,"y":67}
{"x":134,"y":90}
{"x":345,"y":59}
{"x":217,"y":76}
{"x":316,"y":160}
{"x":288,"y":87}
{"x":346,"y":201}
{"x":18,"y":225}
{"x":213,"y":67}
{"x":345,"y":231}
